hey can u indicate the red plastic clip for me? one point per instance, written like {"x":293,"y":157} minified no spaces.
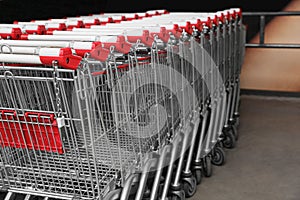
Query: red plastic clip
{"x":120,"y":45}
{"x":215,"y":20}
{"x":89,"y":24}
{"x":103,"y":22}
{"x":10,"y":33}
{"x":176,"y":31}
{"x":228,"y":16}
{"x":209,"y":23}
{"x":136,"y":16}
{"x":199,"y":25}
{"x":163,"y":34}
{"x":79,"y":24}
{"x":64,"y":56}
{"x":59,"y":27}
{"x":123,"y":18}
{"x":144,"y":38}
{"x":40,"y":30}
{"x":100,"y":53}
{"x":81,"y":52}
{"x":188,"y":27}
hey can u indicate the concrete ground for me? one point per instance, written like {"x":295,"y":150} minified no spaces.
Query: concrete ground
{"x":265,"y":165}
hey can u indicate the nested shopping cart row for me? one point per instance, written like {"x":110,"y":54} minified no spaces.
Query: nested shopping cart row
{"x":136,"y":107}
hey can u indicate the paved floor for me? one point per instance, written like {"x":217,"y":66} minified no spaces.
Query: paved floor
{"x":265,"y":165}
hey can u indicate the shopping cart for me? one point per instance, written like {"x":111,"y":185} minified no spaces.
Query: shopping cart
{"x":139,"y":113}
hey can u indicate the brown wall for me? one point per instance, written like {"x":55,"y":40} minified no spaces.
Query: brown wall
{"x":275,"y":69}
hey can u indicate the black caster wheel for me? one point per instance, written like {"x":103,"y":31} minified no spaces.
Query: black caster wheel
{"x":147,"y":194}
{"x":229,"y":141}
{"x":189,"y":186}
{"x":220,"y":144}
{"x":235,"y":132}
{"x":178,"y":195}
{"x":237,"y":121}
{"x":218,"y":158}
{"x":198,"y":175}
{"x":207,"y":167}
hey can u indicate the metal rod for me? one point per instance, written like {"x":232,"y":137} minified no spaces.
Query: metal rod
{"x":288,"y":46}
{"x":9,"y":196}
{"x":42,"y":194}
{"x":262,"y":29}
{"x":281,"y":13}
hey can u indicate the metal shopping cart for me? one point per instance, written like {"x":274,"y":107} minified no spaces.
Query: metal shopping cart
{"x":137,"y":114}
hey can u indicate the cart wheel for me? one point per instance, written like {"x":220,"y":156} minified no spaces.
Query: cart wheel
{"x":237,"y":121}
{"x":147,"y":194}
{"x":189,"y":186}
{"x":218,"y":158}
{"x":220,"y":144}
{"x":229,"y":139}
{"x":235,"y":132}
{"x":198,"y":175}
{"x":207,"y":167}
{"x":178,"y":196}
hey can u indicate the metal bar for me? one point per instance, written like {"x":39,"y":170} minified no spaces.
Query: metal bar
{"x":262,"y":29}
{"x":41,"y":194}
{"x":9,"y":196}
{"x":281,"y":13}
{"x":262,"y":16}
{"x":27,"y":197}
{"x":273,"y":45}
